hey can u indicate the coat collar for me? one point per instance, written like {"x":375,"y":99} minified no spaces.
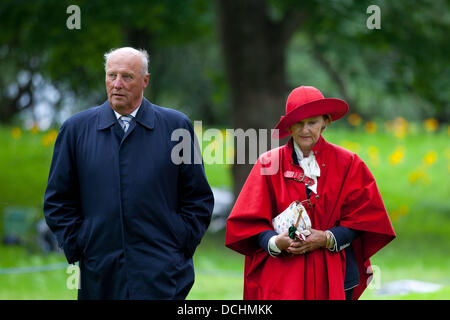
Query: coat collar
{"x":319,"y":146}
{"x":145,"y":115}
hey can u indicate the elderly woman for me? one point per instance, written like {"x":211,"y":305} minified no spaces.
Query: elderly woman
{"x":349,"y":222}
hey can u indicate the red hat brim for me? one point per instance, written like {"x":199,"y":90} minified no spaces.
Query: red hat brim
{"x":336,"y":108}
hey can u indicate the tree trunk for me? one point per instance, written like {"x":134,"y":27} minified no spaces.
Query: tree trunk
{"x":142,"y":39}
{"x":254,"y":54}
{"x":11,"y":106}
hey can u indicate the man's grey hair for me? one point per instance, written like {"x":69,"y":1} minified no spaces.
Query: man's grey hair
{"x":139,"y":52}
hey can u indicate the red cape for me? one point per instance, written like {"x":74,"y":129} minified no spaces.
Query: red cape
{"x":347,"y":195}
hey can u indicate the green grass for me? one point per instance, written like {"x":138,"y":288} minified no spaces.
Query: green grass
{"x":415,"y":193}
{"x":219,"y":175}
{"x":36,"y":285}
{"x":219,"y":273}
{"x":26,"y":163}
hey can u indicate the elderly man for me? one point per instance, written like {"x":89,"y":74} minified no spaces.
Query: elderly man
{"x":117,"y":202}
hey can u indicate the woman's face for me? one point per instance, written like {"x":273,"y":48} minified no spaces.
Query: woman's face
{"x":307,"y":132}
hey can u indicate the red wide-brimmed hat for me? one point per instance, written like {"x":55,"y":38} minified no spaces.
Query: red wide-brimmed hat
{"x":306,"y":102}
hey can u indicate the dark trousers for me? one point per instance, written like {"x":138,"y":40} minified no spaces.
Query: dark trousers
{"x":348,"y":294}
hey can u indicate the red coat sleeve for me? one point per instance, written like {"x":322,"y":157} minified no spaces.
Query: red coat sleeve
{"x":252,"y":212}
{"x":363,"y":209}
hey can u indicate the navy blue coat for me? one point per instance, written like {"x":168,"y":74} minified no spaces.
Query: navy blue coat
{"x":118,"y":204}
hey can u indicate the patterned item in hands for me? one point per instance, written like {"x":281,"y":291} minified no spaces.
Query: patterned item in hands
{"x":294,"y":216}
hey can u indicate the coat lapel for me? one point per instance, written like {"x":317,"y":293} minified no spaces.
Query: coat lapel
{"x":118,"y":131}
{"x":145,"y":117}
{"x":106,"y":116}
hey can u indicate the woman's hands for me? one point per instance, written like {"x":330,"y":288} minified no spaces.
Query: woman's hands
{"x":283,"y":241}
{"x":317,"y":239}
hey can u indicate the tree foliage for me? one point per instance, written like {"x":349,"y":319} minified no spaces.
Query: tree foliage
{"x":359,"y":62}
{"x":37,"y":41}
{"x":239,"y":74}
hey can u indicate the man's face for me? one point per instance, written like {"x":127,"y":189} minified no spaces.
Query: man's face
{"x":124,"y":81}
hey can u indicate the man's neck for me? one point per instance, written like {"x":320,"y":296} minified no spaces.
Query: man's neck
{"x":124,"y":112}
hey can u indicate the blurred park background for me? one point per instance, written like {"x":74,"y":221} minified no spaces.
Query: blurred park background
{"x":231,"y":64}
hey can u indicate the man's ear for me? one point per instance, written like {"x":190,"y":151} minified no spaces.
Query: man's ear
{"x":146,"y":78}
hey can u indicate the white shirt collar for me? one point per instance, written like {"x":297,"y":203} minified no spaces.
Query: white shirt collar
{"x":309,"y":165}
{"x":118,"y":115}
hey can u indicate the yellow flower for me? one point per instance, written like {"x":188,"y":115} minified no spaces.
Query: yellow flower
{"x":354,"y":119}
{"x":34,"y":128}
{"x":416,"y":175}
{"x":397,"y":214}
{"x":388,"y":126}
{"x":352,"y":146}
{"x":430,"y":158}
{"x":372,"y":151}
{"x":430,"y":125}
{"x":374,"y":158}
{"x":370,"y":127}
{"x":397,"y":156}
{"x":16,"y":133}
{"x":419,"y":175}
{"x":400,"y":121}
{"x":49,"y":138}
{"x":400,"y":127}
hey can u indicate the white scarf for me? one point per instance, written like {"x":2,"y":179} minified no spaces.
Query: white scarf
{"x":309,"y":166}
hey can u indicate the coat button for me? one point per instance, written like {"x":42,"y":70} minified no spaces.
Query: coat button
{"x":323,"y":164}
{"x":317,"y":197}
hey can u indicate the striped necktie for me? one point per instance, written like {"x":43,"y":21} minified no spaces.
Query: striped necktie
{"x":125,"y":122}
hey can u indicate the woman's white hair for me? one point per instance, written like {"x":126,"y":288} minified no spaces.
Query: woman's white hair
{"x":141,"y":53}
